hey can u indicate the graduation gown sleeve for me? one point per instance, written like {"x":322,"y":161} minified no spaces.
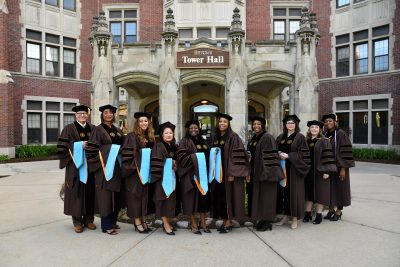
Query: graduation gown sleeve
{"x":324,"y":161}
{"x":238,"y":164}
{"x":344,"y":150}
{"x":267,"y":162}
{"x":299,"y":156}
{"x":158,"y":157}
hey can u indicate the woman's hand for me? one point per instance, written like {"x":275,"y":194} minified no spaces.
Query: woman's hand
{"x":84,"y":144}
{"x":283,"y":155}
{"x":174,"y":166}
{"x":325,"y":176}
{"x":342,"y":174}
{"x":231,"y":179}
{"x":248,"y":179}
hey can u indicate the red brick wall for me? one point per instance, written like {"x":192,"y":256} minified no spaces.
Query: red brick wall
{"x":258,"y":20}
{"x":44,"y":87}
{"x":14,"y":36}
{"x":4,"y":41}
{"x":382,"y":84}
{"x":151,"y":20}
{"x":6,"y":118}
{"x":396,"y":33}
{"x":324,"y":56}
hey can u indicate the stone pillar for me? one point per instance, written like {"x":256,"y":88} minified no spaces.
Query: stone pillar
{"x":6,"y":90}
{"x":103,"y":90}
{"x":236,"y":78}
{"x":169,"y":76}
{"x":306,"y":80}
{"x":275,"y":124}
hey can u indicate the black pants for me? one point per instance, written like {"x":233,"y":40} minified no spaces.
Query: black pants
{"x":108,"y":221}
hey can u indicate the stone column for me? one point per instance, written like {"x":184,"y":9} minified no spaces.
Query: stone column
{"x":6,"y":89}
{"x":169,"y":75}
{"x":103,"y":90}
{"x":306,"y":106}
{"x":236,"y":78}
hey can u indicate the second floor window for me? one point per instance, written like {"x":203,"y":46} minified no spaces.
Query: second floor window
{"x":286,"y":21}
{"x":123,"y":26}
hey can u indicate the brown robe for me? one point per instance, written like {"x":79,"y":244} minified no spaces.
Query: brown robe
{"x":79,"y":198}
{"x":343,"y":153}
{"x":267,"y":172}
{"x":107,"y":192}
{"x":136,"y":193}
{"x":299,"y":161}
{"x":236,"y":164}
{"x":165,"y":206}
{"x":321,"y":162}
{"x":192,"y":199}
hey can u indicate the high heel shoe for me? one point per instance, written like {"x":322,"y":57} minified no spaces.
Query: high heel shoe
{"x":194,"y":230}
{"x":284,"y":220}
{"x":336,"y":217}
{"x":165,"y":231}
{"x":329,"y":215}
{"x":318,"y":219}
{"x":146,"y":227}
{"x":144,"y":231}
{"x":294,"y":223}
{"x":307,"y":217}
{"x":226,"y":229}
{"x":205,"y":229}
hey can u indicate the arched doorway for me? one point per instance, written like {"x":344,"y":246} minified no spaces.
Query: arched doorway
{"x":205,"y":112}
{"x":154,"y":109}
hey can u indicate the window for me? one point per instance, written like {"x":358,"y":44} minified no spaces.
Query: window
{"x":52,"y":59}
{"x":69,"y":4}
{"x":366,"y":119}
{"x":205,"y":33}
{"x":46,"y":117}
{"x":69,"y":63}
{"x":33,"y":58}
{"x":381,"y":55}
{"x":286,"y":21}
{"x":123,"y":26}
{"x":341,"y":3}
{"x":52,"y":2}
{"x":361,"y":58}
{"x":185,"y":33}
{"x":342,"y":61}
{"x":222,"y":33}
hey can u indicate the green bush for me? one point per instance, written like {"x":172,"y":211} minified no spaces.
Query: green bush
{"x":372,"y":153}
{"x":4,"y":158}
{"x":35,"y":151}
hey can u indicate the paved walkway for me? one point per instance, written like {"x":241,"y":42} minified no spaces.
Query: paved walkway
{"x":34,"y":231}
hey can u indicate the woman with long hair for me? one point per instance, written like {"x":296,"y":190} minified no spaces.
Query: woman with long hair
{"x":343,"y":155}
{"x":228,"y":194}
{"x":163,"y":167}
{"x":192,"y":169}
{"x":266,"y":172}
{"x":102,"y":152}
{"x":293,"y":149}
{"x":136,"y":169}
{"x":317,"y":182}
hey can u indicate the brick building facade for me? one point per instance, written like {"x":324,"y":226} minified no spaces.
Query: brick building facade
{"x":46,"y":59}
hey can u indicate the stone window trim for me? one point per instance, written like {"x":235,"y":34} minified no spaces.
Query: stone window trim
{"x":287,"y":17}
{"x":369,"y":110}
{"x":371,"y":39}
{"x":43,"y":111}
{"x":123,"y":19}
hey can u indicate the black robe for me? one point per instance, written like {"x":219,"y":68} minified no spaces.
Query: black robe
{"x":108,"y":198}
{"x":343,"y":154}
{"x":266,"y":173}
{"x":136,"y":193}
{"x":79,"y":198}
{"x":292,"y":197}
{"x":228,"y":198}
{"x":192,"y":199}
{"x":165,"y":206}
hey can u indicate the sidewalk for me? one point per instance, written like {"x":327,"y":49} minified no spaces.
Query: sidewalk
{"x":34,"y":231}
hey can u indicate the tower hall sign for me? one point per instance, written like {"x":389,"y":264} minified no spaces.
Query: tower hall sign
{"x":202,"y":58}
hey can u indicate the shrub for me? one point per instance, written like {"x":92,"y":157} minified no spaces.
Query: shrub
{"x":35,"y":151}
{"x":372,"y":153}
{"x":4,"y":158}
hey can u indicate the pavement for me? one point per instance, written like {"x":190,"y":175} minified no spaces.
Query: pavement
{"x":35,"y":232}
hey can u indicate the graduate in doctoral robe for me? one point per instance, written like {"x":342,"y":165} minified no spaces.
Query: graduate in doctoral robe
{"x":133,"y":157}
{"x":79,"y":195}
{"x":343,"y":155}
{"x":266,"y":172}
{"x":103,"y":157}
{"x":292,"y":147}
{"x":194,"y":197}
{"x":317,"y":183}
{"x":228,"y":193}
{"x":163,"y":167}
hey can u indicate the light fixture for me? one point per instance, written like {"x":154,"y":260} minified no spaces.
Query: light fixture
{"x":187,"y":44}
{"x":219,"y":44}
{"x":204,"y":102}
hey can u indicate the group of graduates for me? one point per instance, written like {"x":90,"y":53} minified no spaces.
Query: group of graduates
{"x":107,"y":171}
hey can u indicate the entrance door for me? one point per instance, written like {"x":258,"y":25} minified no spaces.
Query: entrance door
{"x":206,"y":114}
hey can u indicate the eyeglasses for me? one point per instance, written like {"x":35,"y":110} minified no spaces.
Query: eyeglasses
{"x":81,"y":113}
{"x":290,"y":122}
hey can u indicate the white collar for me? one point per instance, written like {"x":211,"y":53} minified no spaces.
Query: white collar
{"x":83,"y":125}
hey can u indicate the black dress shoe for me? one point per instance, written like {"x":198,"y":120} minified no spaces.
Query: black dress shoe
{"x":226,"y":229}
{"x":144,"y":231}
{"x":307,"y":217}
{"x":168,"y":233}
{"x":336,"y":217}
{"x":329,"y":215}
{"x":264,"y":226}
{"x":318,"y":219}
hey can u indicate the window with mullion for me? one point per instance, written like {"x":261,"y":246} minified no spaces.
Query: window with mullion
{"x":52,"y":2}
{"x":361,"y":58}
{"x":381,"y":55}
{"x":33,"y":58}
{"x":52,"y":127}
{"x":52,"y":61}
{"x":69,"y":63}
{"x":116,"y":31}
{"x":342,"y":61}
{"x":294,"y":25}
{"x":34,"y":133}
{"x":279,"y":29}
{"x":130,"y":32}
{"x":341,"y":3}
{"x":69,"y":4}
